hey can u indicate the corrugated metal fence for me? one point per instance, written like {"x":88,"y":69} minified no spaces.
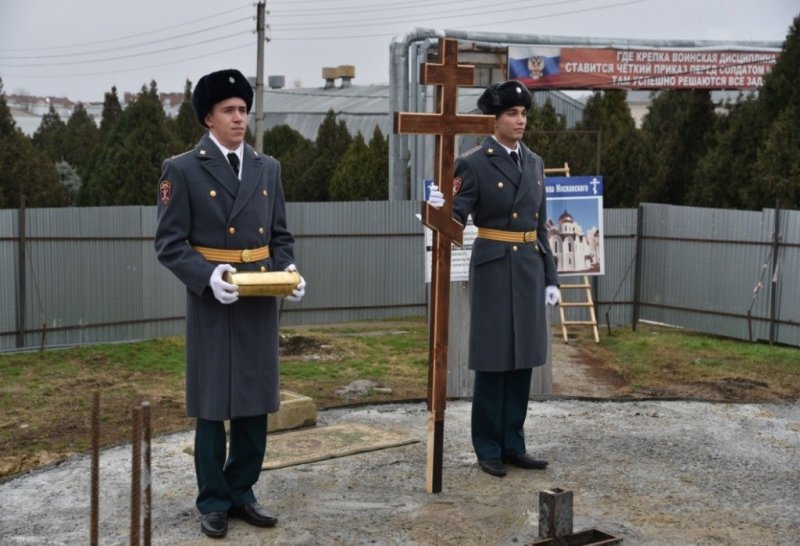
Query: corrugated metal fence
{"x":90,"y":274}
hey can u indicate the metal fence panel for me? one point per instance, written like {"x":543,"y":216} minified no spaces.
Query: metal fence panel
{"x":8,"y":277}
{"x":614,"y":290}
{"x":92,"y":275}
{"x":787,"y":295}
{"x":700,"y":266}
{"x":361,"y":260}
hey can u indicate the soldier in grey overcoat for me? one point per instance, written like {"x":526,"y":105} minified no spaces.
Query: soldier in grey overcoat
{"x":221,"y":208}
{"x":512,"y":276}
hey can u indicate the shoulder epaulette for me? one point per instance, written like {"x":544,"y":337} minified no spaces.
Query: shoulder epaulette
{"x":181,"y":154}
{"x":471,"y":151}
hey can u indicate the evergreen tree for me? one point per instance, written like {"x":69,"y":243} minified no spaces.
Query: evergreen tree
{"x":538,"y":136}
{"x":294,"y":151}
{"x":8,"y":127}
{"x":678,"y":128}
{"x":778,"y":163}
{"x":623,"y":153}
{"x":722,"y":173}
{"x":81,"y":137}
{"x":547,"y":135}
{"x":49,"y":136}
{"x":378,"y":189}
{"x":332,"y":142}
{"x":745,"y":167}
{"x":778,"y":160}
{"x":185,"y":125}
{"x":363,"y":172}
{"x":129,"y":161}
{"x":70,"y":180}
{"x":112,"y":111}
{"x":25,"y":170}
{"x":350,"y":180}
{"x":781,"y":87}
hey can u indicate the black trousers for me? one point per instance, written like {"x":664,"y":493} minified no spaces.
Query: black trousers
{"x":226,"y":481}
{"x":499,"y":408}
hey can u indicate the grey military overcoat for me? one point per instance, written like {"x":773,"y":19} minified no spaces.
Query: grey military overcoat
{"x":231,"y":350}
{"x":507,"y":280}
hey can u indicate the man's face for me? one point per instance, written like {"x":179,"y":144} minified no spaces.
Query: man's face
{"x":228,"y":122}
{"x":510,"y":125}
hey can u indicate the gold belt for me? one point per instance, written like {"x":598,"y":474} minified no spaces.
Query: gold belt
{"x":224,"y":255}
{"x":507,"y":236}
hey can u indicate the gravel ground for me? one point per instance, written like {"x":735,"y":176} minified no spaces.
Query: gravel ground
{"x":653,"y":473}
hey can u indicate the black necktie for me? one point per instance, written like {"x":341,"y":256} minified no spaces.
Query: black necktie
{"x":515,"y":159}
{"x":234,"y":159}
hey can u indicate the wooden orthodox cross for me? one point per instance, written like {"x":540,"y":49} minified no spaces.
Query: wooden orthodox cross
{"x":446,"y":74}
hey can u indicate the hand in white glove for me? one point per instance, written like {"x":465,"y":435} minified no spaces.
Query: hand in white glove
{"x":436,"y":198}
{"x":552,"y":295}
{"x":300,"y":291}
{"x":225,"y":292}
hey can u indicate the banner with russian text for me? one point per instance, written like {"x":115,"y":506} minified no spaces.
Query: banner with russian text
{"x":617,"y":68}
{"x":575,"y":224}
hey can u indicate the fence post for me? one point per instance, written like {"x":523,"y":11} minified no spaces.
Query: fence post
{"x":21,"y":300}
{"x":637,"y":273}
{"x":773,"y":293}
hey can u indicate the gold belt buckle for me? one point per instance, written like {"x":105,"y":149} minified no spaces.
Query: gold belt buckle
{"x":529,"y":236}
{"x":245,"y":255}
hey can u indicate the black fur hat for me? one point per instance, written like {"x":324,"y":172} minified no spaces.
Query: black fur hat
{"x":501,"y":96}
{"x":218,"y":86}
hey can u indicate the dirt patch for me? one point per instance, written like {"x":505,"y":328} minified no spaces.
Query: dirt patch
{"x":576,"y":372}
{"x":579,"y":371}
{"x":728,"y":389}
{"x":305,"y":348}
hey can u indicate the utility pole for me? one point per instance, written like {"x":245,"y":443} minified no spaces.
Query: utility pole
{"x":260,"y":10}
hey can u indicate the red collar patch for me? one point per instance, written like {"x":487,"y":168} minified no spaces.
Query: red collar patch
{"x":456,"y":184}
{"x":165,"y":192}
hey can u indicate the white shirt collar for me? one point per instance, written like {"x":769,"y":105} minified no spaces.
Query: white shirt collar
{"x":509,"y":150}
{"x":225,"y":151}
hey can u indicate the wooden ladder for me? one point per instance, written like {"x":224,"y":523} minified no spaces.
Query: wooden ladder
{"x":585,"y":286}
{"x":588,"y":303}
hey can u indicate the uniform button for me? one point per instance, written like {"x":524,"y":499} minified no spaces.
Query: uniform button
{"x":231,"y":230}
{"x":514,"y":215}
{"x":263,"y":268}
{"x":500,"y":185}
{"x":264,"y":192}
{"x":536,"y":215}
{"x":539,"y":182}
{"x":261,"y":230}
{"x":212,"y":193}
{"x":514,"y":248}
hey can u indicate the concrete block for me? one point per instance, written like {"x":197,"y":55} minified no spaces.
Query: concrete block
{"x":296,"y":411}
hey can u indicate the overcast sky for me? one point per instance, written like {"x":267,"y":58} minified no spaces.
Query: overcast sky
{"x":80,"y":48}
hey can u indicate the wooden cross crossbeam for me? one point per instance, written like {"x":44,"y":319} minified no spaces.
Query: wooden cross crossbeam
{"x":447,"y":75}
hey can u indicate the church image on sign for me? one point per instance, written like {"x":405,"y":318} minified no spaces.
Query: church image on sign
{"x":574,"y":251}
{"x":575,"y":224}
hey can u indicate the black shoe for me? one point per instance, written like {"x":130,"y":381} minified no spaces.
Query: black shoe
{"x":525,"y":460}
{"x":494,"y":467}
{"x":254,"y":514}
{"x":214,"y":524}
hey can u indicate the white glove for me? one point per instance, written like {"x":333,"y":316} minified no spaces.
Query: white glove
{"x":436,"y":198}
{"x":552,"y":295}
{"x":300,"y":291}
{"x":224,"y":292}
